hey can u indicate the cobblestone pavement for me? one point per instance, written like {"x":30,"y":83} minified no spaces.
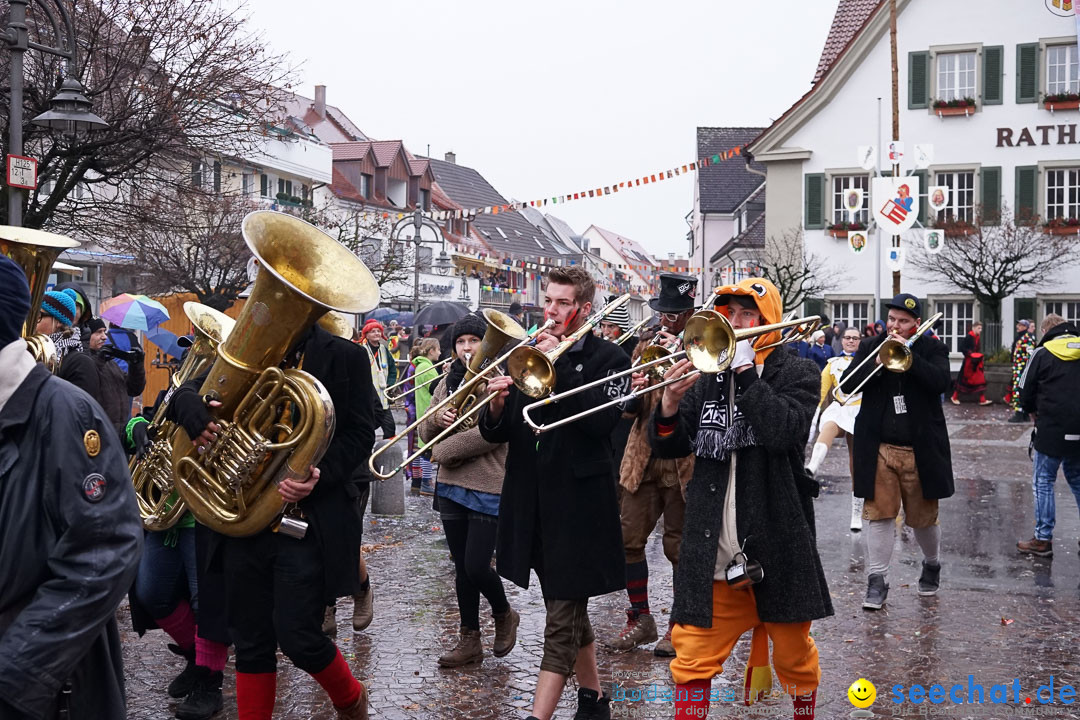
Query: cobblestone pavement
{"x":999,"y":615}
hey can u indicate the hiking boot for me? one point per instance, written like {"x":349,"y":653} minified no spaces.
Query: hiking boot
{"x":876,"y":592}
{"x":664,"y":648}
{"x":1034,"y":546}
{"x":329,"y":623}
{"x":640,"y":630}
{"x":427,"y":488}
{"x":468,"y":650}
{"x":205,"y":700}
{"x":592,"y":706}
{"x":930,"y":579}
{"x":356,"y":711}
{"x":183,"y":683}
{"x":856,"y":513}
{"x":363,"y":609}
{"x":506,"y":626}
{"x":1018,"y":417}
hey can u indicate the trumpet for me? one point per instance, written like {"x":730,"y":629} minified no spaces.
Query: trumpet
{"x":708,"y":341}
{"x":501,"y":328}
{"x":403,"y":393}
{"x":895,"y":356}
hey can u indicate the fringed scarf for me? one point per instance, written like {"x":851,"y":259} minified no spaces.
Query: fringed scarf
{"x":66,"y":341}
{"x":722,"y":429}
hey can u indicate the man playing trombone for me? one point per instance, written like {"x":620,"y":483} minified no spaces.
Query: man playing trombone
{"x":902,"y":454}
{"x":558,"y":513}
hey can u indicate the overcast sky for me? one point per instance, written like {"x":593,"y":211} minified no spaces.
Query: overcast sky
{"x":555,"y":97}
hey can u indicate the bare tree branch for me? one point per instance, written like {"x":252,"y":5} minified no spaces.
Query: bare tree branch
{"x":799,"y":275}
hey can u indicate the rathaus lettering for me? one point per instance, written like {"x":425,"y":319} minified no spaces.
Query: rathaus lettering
{"x":1039,"y":135}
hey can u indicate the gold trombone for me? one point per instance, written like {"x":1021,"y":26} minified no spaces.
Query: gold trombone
{"x":895,"y":356}
{"x":399,"y":383}
{"x":709,"y":342}
{"x":501,"y":328}
{"x":632,"y":332}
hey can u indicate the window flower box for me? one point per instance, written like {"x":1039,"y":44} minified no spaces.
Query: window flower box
{"x":1062,"y":226}
{"x":956,"y":228}
{"x":1062,"y":101}
{"x":947,"y":108}
{"x":841,"y":229}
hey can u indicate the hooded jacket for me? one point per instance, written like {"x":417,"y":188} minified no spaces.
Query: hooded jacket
{"x":1049,"y":388}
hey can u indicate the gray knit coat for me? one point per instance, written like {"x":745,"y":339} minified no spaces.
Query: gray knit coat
{"x":465,"y":458}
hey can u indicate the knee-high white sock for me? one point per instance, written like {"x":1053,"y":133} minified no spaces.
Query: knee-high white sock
{"x":879,"y":546}
{"x":817,"y":456}
{"x":929,"y":539}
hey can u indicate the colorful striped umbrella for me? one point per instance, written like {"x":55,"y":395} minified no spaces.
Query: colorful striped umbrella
{"x":134,"y":312}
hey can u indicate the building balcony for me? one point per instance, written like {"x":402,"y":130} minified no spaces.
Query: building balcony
{"x":500,"y":298}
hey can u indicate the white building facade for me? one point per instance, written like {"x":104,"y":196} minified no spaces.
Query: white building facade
{"x":1012,"y":150}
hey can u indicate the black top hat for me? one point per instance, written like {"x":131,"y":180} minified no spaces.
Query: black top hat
{"x":908,"y":303}
{"x":677,"y":294}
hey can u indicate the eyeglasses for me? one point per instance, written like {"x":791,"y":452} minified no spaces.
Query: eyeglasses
{"x":671,"y":317}
{"x":851,"y":337}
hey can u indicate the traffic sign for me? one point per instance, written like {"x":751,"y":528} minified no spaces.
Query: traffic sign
{"x":21,"y":172}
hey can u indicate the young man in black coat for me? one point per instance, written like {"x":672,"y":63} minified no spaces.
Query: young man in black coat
{"x":748,"y":555}
{"x":902,"y":453}
{"x":278,"y":586}
{"x":557,"y":512}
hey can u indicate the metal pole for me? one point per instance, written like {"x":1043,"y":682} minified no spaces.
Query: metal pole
{"x":877,"y":281}
{"x":895,"y":119}
{"x":418,"y":223}
{"x":18,"y":44}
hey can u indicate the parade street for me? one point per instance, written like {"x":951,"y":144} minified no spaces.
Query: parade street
{"x":1000,"y":616}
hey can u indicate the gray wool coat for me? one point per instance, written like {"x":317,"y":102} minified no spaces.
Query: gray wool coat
{"x":774,"y":511}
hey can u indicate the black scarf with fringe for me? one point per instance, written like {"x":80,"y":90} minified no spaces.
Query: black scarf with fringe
{"x":722,"y":429}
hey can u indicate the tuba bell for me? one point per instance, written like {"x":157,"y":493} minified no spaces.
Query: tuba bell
{"x":274,"y":422}
{"x":152,"y":475}
{"x":35,"y":251}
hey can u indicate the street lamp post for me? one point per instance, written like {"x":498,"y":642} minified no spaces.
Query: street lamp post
{"x":419,"y":222}
{"x":69,"y":111}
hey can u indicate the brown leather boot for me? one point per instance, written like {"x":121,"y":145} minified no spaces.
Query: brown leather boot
{"x":506,"y":626}
{"x":329,"y":623}
{"x":468,"y":650}
{"x":363,"y":610}
{"x":356,"y":711}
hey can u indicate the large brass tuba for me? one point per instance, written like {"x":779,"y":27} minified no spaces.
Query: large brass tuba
{"x":152,"y":475}
{"x":35,"y":251}
{"x":274,"y":422}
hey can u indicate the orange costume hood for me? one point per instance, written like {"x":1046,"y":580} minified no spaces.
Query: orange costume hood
{"x":769,"y":304}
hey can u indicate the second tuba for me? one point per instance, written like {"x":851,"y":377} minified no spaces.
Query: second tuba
{"x":274,"y":422}
{"x":152,"y":475}
{"x":35,"y":251}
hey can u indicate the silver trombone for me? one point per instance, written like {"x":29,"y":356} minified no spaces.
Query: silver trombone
{"x":709,"y":342}
{"x":398,"y":396}
{"x":632,"y":332}
{"x":895,"y":356}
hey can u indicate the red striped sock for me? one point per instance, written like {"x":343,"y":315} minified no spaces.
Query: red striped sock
{"x":210,"y":654}
{"x":255,"y":695}
{"x":338,"y":682}
{"x":637,"y":586}
{"x":180,"y":625}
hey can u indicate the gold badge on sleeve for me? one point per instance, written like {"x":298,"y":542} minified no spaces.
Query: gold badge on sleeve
{"x":92,"y":443}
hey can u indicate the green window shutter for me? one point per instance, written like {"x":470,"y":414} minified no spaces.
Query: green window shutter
{"x":993,"y":67}
{"x":918,"y":80}
{"x":990,"y":195}
{"x":1027,"y":190}
{"x":814,"y":201}
{"x":1023,"y":309}
{"x":923,"y":186}
{"x":814,"y":306}
{"x":1027,"y":73}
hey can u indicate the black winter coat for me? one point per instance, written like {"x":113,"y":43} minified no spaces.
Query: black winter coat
{"x":116,"y":388}
{"x":921,"y":386}
{"x":558,"y":512}
{"x":1049,"y":388}
{"x":774,"y":507}
{"x":70,"y":540}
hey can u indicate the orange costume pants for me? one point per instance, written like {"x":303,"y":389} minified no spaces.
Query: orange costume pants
{"x":701,"y":652}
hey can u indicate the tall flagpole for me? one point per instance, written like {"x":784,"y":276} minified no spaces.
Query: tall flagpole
{"x":895,"y":121}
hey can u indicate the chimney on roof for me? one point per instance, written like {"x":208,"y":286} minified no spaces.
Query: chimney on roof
{"x":450,"y":158}
{"x":320,"y":101}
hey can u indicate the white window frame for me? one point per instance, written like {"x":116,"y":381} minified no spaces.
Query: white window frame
{"x":1070,"y":67}
{"x":936,"y":51}
{"x":948,"y":329}
{"x":951,"y":207}
{"x":1043,"y":70}
{"x":850,"y":302}
{"x":1067,"y":306}
{"x":836,"y":198}
{"x":1069,"y":206}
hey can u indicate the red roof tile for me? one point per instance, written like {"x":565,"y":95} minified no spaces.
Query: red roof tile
{"x":350,"y":150}
{"x":385,"y":150}
{"x":342,"y":188}
{"x":849,"y":19}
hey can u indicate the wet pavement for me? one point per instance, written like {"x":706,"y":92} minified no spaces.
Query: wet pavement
{"x":1000,"y":616}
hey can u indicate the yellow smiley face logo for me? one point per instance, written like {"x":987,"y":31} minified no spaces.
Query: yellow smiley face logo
{"x":862,"y":693}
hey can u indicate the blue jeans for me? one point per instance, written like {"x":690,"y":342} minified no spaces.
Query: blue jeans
{"x":164,"y":570}
{"x":1042,"y":485}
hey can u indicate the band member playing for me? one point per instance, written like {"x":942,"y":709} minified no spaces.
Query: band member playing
{"x":558,"y":513}
{"x":837,"y":419}
{"x":72,"y":535}
{"x":748,"y":554}
{"x":278,"y":586}
{"x":652,"y":486}
{"x":615,"y":324}
{"x":471,"y":473}
{"x":902,"y":453}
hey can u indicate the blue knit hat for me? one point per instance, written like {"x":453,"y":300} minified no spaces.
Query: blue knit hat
{"x":14,"y":300}
{"x":60,"y":306}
